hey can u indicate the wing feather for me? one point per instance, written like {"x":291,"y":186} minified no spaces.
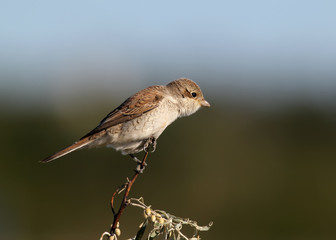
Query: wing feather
{"x":140,"y":103}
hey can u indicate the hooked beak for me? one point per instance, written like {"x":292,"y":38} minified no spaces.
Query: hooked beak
{"x":204,"y":103}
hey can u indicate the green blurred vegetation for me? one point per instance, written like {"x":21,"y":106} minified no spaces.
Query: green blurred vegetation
{"x":257,"y":174}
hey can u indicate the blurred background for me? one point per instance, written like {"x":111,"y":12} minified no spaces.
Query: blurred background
{"x":260,"y":162}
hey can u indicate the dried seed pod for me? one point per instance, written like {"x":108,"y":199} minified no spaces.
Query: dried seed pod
{"x":153,"y":218}
{"x":161,"y":220}
{"x":112,"y":237}
{"x":148,"y":211}
{"x":117,"y":231}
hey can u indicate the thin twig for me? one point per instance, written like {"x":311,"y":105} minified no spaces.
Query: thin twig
{"x":118,"y":191}
{"x":127,"y":187}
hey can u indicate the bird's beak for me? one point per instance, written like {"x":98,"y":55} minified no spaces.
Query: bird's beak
{"x":204,"y":103}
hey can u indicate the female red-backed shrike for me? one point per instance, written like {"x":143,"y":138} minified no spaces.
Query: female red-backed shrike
{"x":140,"y":120}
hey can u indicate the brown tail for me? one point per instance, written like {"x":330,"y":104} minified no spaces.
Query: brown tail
{"x":77,"y":145}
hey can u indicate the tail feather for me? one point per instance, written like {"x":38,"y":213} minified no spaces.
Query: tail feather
{"x":77,"y":145}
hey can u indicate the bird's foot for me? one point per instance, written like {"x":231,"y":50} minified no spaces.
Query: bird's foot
{"x":150,"y":145}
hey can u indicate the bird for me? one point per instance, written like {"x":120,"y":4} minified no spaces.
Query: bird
{"x":137,"y":123}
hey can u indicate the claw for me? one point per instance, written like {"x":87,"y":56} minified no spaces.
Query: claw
{"x":150,"y":143}
{"x":153,"y":144}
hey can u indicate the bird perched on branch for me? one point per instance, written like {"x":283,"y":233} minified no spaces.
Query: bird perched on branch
{"x":139,"y":121}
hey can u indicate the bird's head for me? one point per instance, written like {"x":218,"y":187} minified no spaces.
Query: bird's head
{"x":189,"y":96}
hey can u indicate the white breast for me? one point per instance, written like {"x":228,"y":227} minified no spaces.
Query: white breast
{"x":134,"y":133}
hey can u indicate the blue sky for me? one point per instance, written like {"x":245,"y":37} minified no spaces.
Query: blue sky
{"x":49,"y":43}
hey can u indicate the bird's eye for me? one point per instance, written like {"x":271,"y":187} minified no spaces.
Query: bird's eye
{"x":193,"y":94}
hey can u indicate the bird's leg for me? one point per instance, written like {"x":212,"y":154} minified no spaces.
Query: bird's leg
{"x":150,"y":145}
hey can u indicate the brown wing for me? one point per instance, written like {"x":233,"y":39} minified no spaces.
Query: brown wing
{"x":140,"y":103}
